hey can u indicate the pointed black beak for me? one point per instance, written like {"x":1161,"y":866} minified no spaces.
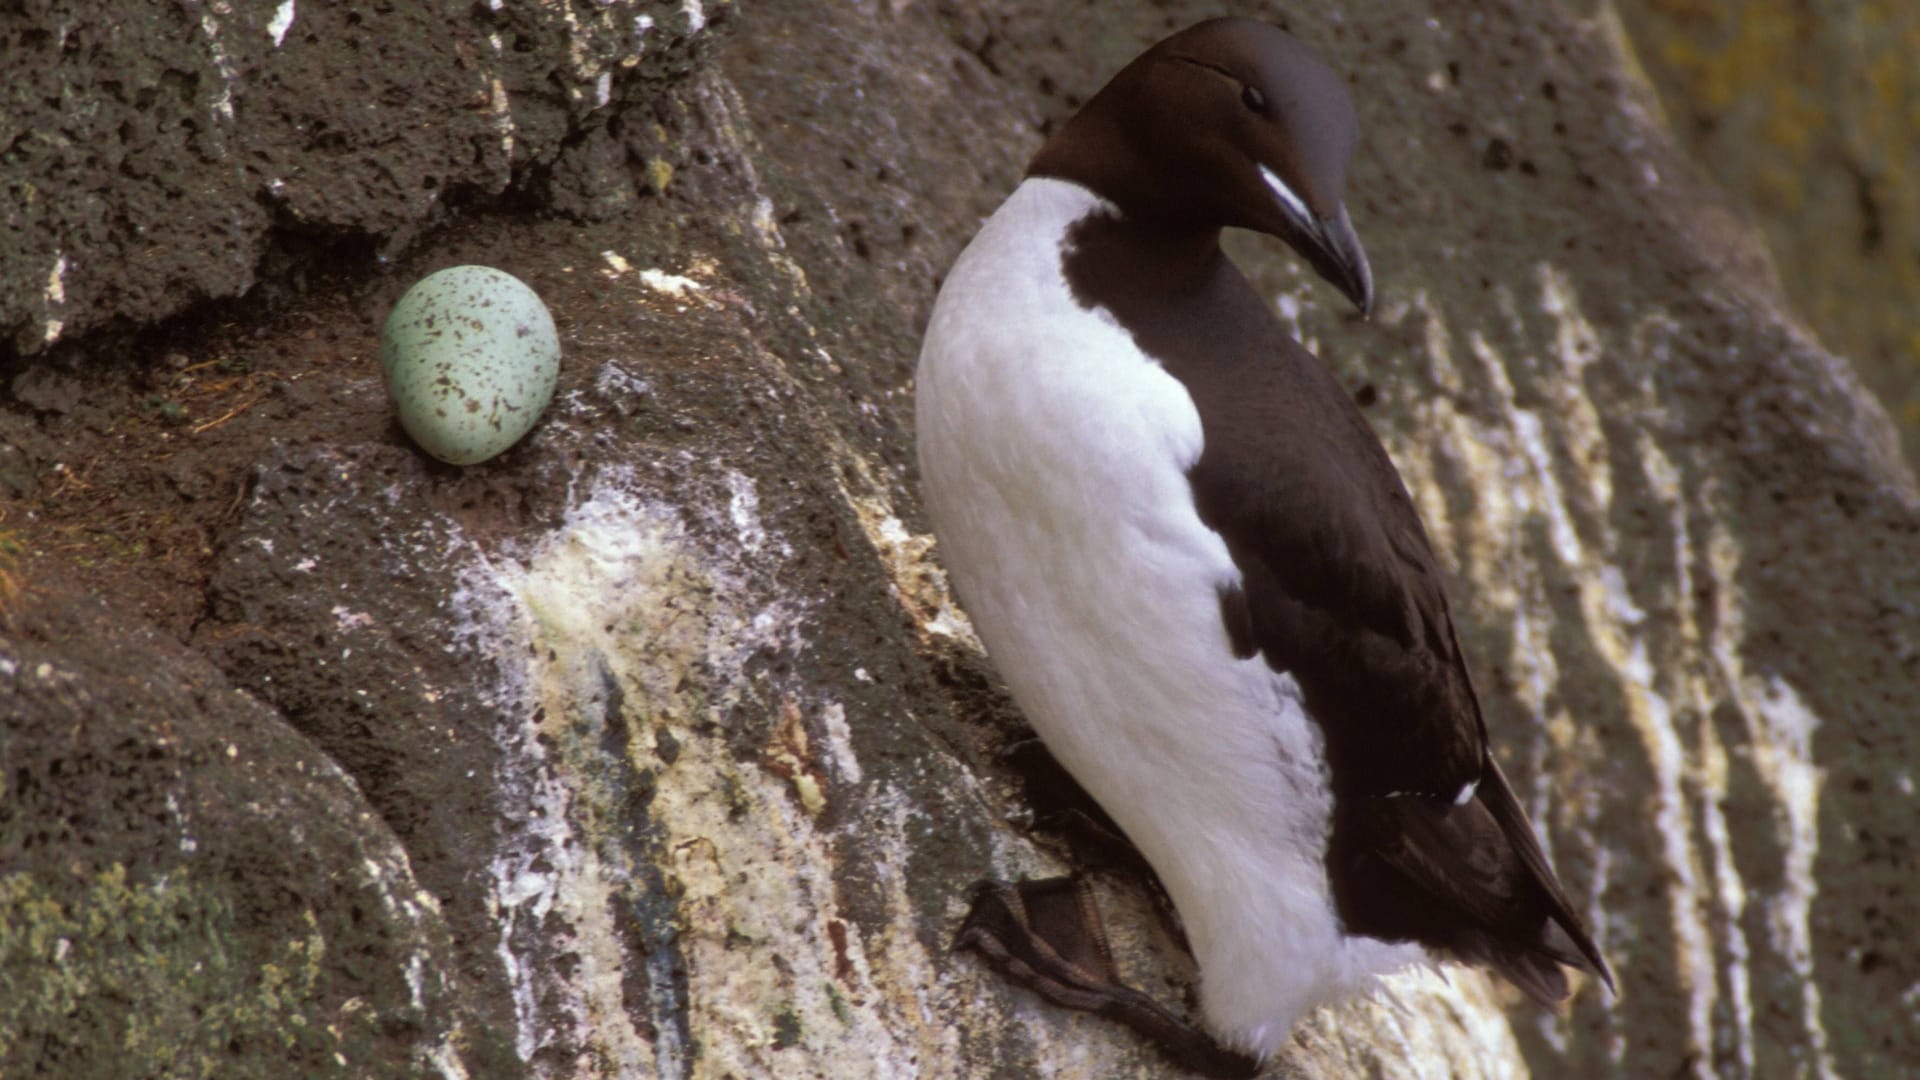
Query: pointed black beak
{"x":1328,"y":243}
{"x":1335,"y":251}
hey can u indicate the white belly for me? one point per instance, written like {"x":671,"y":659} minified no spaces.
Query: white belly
{"x":1054,"y":457}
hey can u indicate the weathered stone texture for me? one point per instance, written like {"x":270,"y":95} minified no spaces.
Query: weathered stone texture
{"x":151,"y":155}
{"x":672,"y":716}
{"x":1809,"y":115}
{"x":188,"y":887}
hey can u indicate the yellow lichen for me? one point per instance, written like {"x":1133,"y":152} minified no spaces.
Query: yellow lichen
{"x":1810,"y":116}
{"x":10,"y":584}
{"x":140,"y":978}
{"x":659,"y":174}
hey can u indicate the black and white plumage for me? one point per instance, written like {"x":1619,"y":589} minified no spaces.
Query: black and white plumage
{"x":1195,"y":565}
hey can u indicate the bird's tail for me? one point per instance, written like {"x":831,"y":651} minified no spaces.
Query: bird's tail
{"x":1535,"y":966}
{"x":1493,"y":899}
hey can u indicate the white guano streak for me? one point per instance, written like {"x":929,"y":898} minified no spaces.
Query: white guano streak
{"x":55,"y":296}
{"x":222,"y":63}
{"x":624,"y":594}
{"x":1780,"y":727}
{"x":282,"y":22}
{"x":1512,"y":460}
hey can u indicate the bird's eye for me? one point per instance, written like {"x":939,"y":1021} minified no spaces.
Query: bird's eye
{"x":1254,"y":99}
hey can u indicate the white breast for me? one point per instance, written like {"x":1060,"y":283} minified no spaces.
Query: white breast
{"x":1054,"y":455}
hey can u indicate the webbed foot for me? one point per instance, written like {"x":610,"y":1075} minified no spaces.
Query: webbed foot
{"x":1047,"y":936}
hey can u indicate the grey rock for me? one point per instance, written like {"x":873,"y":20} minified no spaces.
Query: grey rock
{"x":1804,"y":115}
{"x":189,"y":887}
{"x":17,"y":472}
{"x":671,"y":710}
{"x":48,"y":389}
{"x":152,"y":156}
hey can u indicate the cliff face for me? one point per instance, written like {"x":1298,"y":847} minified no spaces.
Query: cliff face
{"x":164,"y":155}
{"x":658,"y":747}
{"x":1809,"y":116}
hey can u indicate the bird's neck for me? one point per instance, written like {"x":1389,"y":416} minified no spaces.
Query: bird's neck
{"x":1130,"y":254}
{"x":1180,"y":253}
{"x":1100,"y":154}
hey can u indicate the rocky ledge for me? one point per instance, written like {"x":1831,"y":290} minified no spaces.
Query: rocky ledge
{"x":657,"y":746}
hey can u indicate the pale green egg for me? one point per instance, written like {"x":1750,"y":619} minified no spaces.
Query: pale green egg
{"x":471,"y":358}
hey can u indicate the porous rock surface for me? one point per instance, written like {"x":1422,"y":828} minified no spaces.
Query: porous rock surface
{"x":657,"y":746}
{"x":152,"y":156}
{"x":1809,"y":116}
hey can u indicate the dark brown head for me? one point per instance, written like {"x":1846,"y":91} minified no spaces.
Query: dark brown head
{"x":1230,"y":123}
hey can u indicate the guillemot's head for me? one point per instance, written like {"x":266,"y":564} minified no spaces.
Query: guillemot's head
{"x":1230,"y":123}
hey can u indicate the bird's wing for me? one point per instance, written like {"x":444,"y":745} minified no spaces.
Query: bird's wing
{"x":1341,"y":589}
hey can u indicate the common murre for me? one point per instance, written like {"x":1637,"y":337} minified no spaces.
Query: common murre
{"x":1201,"y":576}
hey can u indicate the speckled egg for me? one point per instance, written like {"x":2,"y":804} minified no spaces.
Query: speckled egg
{"x":471,"y":357}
